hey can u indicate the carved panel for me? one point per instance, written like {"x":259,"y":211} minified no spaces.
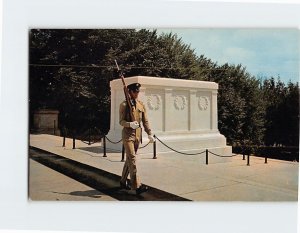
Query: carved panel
{"x":203,"y":103}
{"x":154,"y":102}
{"x":180,"y":102}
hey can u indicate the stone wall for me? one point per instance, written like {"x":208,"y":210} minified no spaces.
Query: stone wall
{"x":46,"y":121}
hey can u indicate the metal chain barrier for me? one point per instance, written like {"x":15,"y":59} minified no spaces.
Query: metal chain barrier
{"x":154,"y":146}
{"x":141,"y":147}
{"x":90,"y":143}
{"x":177,"y":150}
{"x":88,"y":133}
{"x":112,"y":141}
{"x":65,"y":131}
{"x":222,"y":156}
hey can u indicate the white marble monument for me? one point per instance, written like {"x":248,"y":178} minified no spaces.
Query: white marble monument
{"x":182,"y":114}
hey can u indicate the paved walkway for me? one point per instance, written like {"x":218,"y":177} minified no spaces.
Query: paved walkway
{"x":47,"y":184}
{"x":188,"y":176}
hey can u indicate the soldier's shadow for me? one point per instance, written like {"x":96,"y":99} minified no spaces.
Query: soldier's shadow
{"x":88,"y":193}
{"x":97,"y":149}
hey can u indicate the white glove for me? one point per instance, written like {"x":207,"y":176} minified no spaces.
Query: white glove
{"x":134,"y":124}
{"x":151,"y":138}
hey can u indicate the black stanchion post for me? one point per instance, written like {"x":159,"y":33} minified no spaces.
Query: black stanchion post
{"x":154,"y":150}
{"x":73,"y":141}
{"x":104,"y":146}
{"x":206,"y":152}
{"x":243,"y":154}
{"x":64,"y":137}
{"x":123,"y":153}
{"x":89,"y":136}
{"x":266,"y":159}
{"x":248,"y":160}
{"x":54,"y":126}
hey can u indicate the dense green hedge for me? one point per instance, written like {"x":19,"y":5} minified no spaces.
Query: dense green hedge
{"x":282,"y":153}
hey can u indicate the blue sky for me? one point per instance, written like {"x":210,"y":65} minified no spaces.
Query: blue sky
{"x":264,"y":52}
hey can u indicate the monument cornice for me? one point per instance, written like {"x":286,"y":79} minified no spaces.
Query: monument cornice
{"x":167,"y":82}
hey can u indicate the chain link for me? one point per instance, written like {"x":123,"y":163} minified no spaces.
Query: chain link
{"x":141,"y":147}
{"x":177,"y":150}
{"x":222,"y":156}
{"x":112,"y":141}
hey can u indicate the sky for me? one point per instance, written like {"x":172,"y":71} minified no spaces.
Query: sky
{"x":264,"y":52}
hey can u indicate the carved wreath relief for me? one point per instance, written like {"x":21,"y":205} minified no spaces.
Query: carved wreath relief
{"x":154,"y":102}
{"x":180,"y":102}
{"x":203,"y":102}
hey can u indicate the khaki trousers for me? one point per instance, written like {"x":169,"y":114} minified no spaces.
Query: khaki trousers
{"x":130,"y":168}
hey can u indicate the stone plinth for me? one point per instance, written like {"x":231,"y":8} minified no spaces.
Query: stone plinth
{"x":182,"y":114}
{"x":46,"y":121}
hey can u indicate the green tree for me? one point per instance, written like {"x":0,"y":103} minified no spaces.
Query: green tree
{"x":71,"y":69}
{"x":291,"y":111}
{"x":282,"y":112}
{"x":241,"y":109}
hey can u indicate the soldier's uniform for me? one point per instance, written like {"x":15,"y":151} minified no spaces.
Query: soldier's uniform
{"x":131,"y":139}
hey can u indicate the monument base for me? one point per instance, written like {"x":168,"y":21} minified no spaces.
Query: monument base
{"x":183,"y":142}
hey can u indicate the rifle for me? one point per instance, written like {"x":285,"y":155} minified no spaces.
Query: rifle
{"x":126,"y":93}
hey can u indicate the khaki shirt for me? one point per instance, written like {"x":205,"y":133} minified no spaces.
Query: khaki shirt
{"x":140,"y":115}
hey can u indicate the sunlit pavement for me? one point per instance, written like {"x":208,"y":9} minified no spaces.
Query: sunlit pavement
{"x":184,"y":176}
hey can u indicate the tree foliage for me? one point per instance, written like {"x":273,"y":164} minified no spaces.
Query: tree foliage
{"x":79,"y":64}
{"x":241,"y":109}
{"x":70,"y":70}
{"x":282,"y":113}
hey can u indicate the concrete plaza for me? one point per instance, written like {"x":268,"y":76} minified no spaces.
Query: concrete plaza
{"x":186,"y":176}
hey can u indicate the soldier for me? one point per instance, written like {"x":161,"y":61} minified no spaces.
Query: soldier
{"x":131,"y":136}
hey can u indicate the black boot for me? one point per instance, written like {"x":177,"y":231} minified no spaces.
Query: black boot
{"x":141,"y":189}
{"x":125,"y":185}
